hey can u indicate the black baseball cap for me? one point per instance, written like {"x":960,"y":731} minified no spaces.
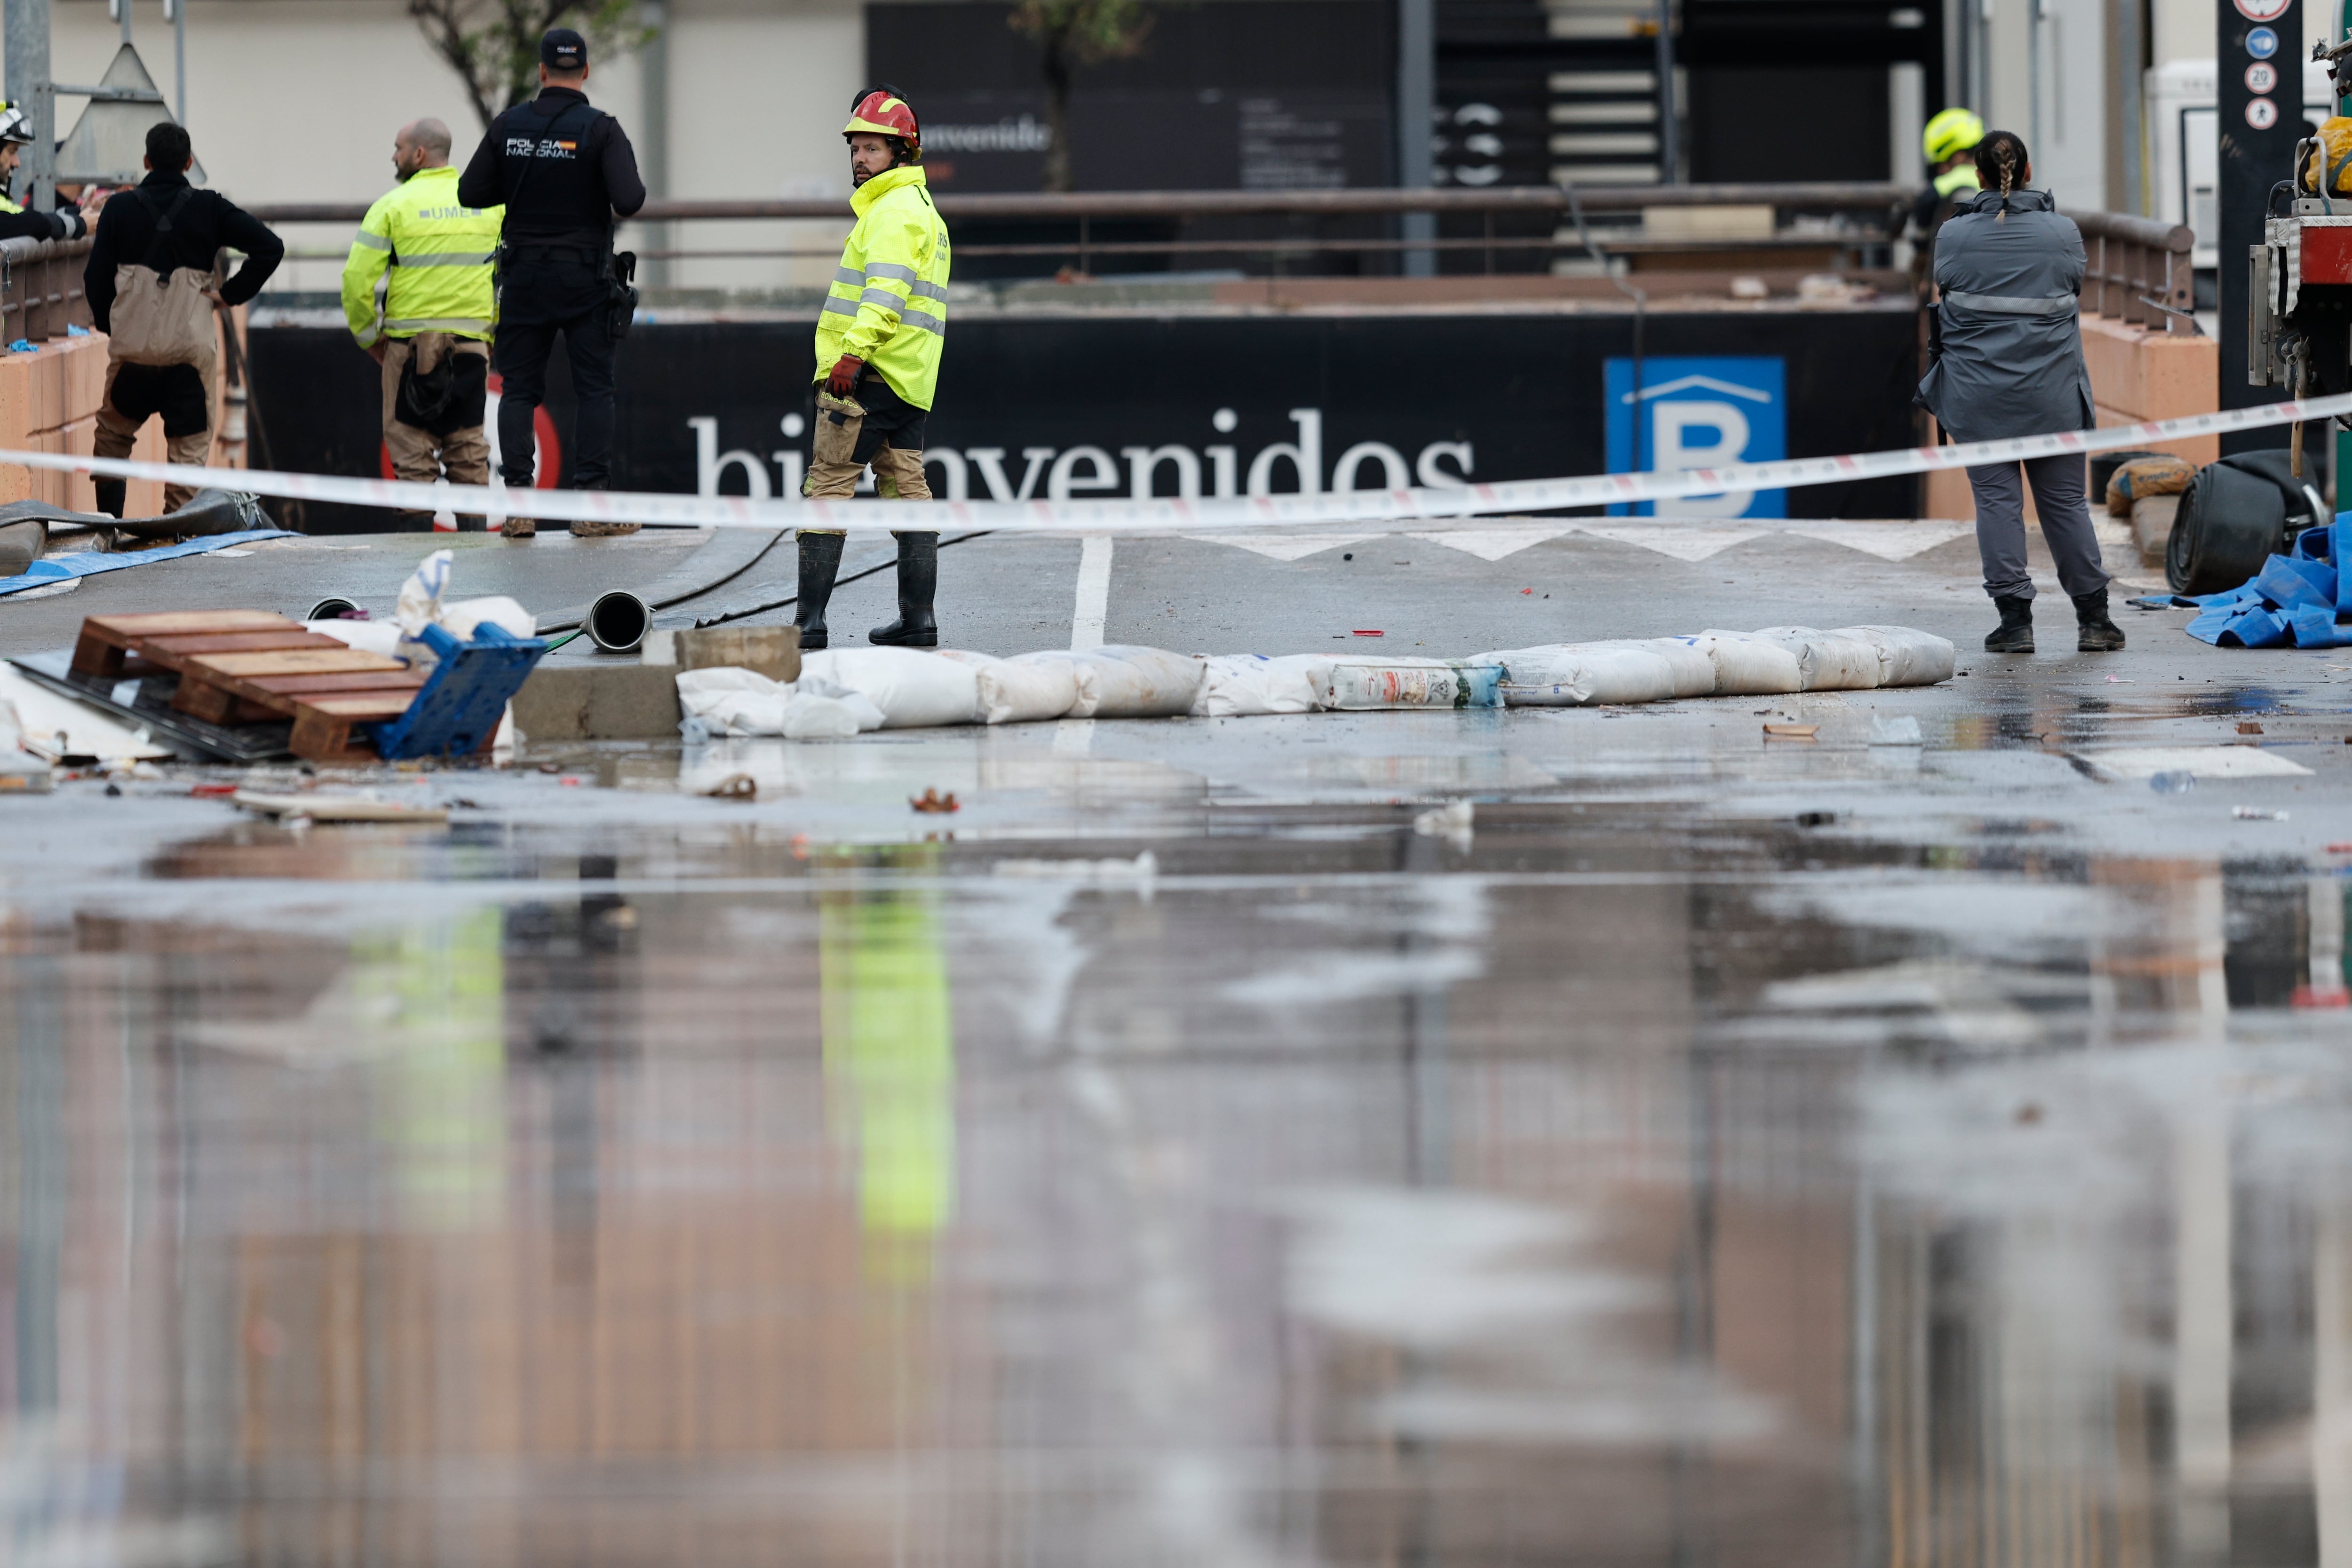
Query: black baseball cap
{"x":563,"y":51}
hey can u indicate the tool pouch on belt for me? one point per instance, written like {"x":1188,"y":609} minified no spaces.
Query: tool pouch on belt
{"x":161,"y":314}
{"x":838,"y":422}
{"x":620,"y":292}
{"x":441,"y":389}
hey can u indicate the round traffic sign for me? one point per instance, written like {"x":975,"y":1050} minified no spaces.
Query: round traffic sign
{"x":2262,"y":43}
{"x":2262,"y":113}
{"x":2262,"y":10}
{"x":2262,"y":77}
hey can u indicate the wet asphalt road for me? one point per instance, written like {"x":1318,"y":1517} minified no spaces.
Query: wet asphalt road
{"x":1723,"y":1151}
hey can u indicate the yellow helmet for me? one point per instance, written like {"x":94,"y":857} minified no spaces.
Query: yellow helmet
{"x":1953,"y":131}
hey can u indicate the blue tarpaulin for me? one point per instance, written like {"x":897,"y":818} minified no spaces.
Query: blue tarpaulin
{"x":2293,"y":599}
{"x":88,"y":563}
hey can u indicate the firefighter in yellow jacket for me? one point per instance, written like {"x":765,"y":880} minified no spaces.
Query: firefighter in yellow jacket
{"x":417,"y":296}
{"x":877,"y":364}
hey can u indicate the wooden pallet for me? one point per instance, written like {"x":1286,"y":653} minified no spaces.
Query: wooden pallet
{"x":244,"y":665}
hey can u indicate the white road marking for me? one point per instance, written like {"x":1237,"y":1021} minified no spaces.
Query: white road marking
{"x":1493,"y":543}
{"x":1680,"y":540}
{"x":1094,"y":593}
{"x":1283,"y":546}
{"x":1887,"y":541}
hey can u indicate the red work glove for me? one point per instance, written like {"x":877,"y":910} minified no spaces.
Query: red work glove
{"x":844,"y":379}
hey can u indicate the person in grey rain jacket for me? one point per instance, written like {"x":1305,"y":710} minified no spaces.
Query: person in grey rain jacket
{"x":2010,"y":270}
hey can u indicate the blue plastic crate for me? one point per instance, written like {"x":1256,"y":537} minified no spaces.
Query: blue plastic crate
{"x":458,"y":709}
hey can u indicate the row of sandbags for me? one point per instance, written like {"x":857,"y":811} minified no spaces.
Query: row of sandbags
{"x":843,"y":692}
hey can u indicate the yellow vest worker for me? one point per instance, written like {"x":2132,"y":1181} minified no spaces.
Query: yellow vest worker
{"x":878,"y":341}
{"x":418,"y":293}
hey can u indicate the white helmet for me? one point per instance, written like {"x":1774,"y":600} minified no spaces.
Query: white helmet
{"x":16,"y":125}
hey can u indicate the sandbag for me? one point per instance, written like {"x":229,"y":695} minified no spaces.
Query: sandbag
{"x":1361,"y":686}
{"x":1578,"y":675}
{"x":1913,"y":657}
{"x":1693,"y":670}
{"x":736,"y":701}
{"x":1240,"y":685}
{"x":915,"y":689}
{"x":1119,"y":682}
{"x":1829,"y":662}
{"x":1026,"y":690}
{"x":2144,"y":477}
{"x":1748,"y":667}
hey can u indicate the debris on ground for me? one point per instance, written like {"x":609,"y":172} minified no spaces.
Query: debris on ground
{"x":734,"y":786}
{"x":319,"y":806}
{"x":931,"y":800}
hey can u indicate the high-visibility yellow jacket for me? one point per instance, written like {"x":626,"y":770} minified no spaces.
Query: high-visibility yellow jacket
{"x":888,"y":304}
{"x":420,"y":263}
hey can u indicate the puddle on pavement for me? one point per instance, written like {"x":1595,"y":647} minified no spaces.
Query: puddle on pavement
{"x":1585,"y":1189}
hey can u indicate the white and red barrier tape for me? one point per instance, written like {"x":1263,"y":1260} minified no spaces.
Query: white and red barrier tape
{"x":1177,"y":516}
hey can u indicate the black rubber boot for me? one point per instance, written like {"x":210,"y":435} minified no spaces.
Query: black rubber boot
{"x":110,"y":495}
{"x":919,"y":581}
{"x":820,"y":562}
{"x":2093,"y":632}
{"x":2015,"y":633}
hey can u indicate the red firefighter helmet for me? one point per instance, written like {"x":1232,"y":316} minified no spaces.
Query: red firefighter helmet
{"x":879,"y":114}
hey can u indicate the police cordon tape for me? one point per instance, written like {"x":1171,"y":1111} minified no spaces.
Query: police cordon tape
{"x":1178,"y":516}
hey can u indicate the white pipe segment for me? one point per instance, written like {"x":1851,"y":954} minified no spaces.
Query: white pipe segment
{"x":1176,"y":516}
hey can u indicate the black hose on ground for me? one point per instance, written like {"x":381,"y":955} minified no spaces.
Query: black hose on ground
{"x":731,"y":552}
{"x":737,"y":613}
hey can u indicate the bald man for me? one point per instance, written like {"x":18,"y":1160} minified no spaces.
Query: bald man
{"x":417,"y":293}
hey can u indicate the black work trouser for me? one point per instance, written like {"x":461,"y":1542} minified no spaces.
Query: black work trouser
{"x":539,"y":295}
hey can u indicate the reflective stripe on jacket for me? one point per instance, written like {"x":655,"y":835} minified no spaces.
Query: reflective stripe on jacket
{"x":420,"y":263}
{"x":2011,"y":364}
{"x":889,"y":302}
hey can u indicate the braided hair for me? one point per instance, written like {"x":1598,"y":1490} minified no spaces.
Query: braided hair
{"x":2000,"y":163}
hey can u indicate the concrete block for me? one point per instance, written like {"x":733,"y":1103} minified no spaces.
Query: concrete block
{"x":85,"y":375}
{"x":2151,"y":520}
{"x":2143,"y":374}
{"x":772,"y":651}
{"x":598,"y":702}
{"x":79,"y":439}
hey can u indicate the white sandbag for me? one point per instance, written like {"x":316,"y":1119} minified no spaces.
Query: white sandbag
{"x":1831,"y":661}
{"x":1693,"y":670}
{"x":1026,"y":688}
{"x":915,"y":689}
{"x":809,"y":717}
{"x":1243,"y":685}
{"x":1121,"y":682}
{"x":381,"y":638}
{"x":1578,"y":674}
{"x":1913,"y":657}
{"x":1370,"y":686}
{"x":737,"y":701}
{"x":1748,"y":667}
{"x":460,"y":617}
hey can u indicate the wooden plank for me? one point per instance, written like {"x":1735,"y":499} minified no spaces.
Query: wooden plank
{"x":290,"y":685}
{"x":235,"y":642}
{"x":327,"y":738}
{"x":94,"y":654}
{"x":166,"y":623}
{"x":201,"y":700}
{"x":293,"y":661}
{"x":364,"y":706}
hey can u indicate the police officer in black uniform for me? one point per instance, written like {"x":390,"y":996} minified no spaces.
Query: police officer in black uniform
{"x":564,"y":171}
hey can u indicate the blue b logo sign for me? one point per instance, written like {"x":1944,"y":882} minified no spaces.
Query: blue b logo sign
{"x":1698,"y":414}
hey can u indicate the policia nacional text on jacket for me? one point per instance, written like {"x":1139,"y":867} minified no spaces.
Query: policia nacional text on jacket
{"x":166,"y":234}
{"x":563,"y":169}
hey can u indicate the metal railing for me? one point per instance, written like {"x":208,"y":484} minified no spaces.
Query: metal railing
{"x":40,"y":287}
{"x":2139,"y":270}
{"x":1082,"y":211}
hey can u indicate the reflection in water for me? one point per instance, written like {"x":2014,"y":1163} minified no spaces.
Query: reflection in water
{"x":1590,"y":1193}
